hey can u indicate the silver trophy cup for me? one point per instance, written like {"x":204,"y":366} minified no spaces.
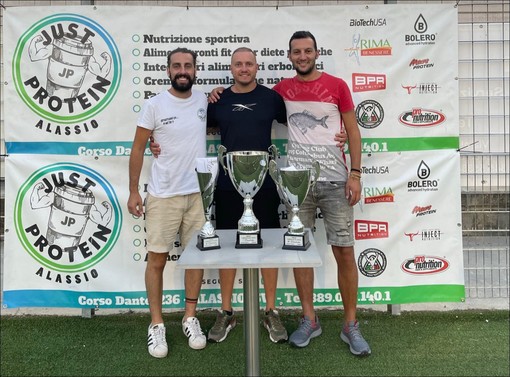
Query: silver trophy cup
{"x":293,"y":186}
{"x":207,"y":173}
{"x":247,"y":170}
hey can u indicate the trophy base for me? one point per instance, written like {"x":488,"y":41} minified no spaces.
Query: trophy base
{"x":296,"y":242}
{"x":248,"y":241}
{"x":208,"y":243}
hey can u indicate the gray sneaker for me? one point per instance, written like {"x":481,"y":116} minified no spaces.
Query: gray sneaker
{"x":352,"y":336}
{"x":306,"y":331}
{"x":274,"y":326}
{"x":224,"y":323}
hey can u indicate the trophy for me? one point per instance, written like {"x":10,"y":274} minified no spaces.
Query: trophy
{"x":293,"y":185}
{"x":247,"y":170}
{"x":207,"y":172}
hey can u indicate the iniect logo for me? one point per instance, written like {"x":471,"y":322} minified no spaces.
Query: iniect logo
{"x":66,"y":69}
{"x":68,"y":218}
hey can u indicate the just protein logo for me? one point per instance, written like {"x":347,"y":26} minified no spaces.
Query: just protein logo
{"x":66,"y":69}
{"x":68,"y":218}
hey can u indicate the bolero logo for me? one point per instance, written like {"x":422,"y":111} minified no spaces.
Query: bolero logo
{"x":67,"y":217}
{"x":66,"y":68}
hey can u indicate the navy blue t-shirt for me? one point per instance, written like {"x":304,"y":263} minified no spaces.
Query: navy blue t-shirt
{"x":244,"y":121}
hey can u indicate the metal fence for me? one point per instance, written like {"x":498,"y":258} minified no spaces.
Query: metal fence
{"x":484,"y":95}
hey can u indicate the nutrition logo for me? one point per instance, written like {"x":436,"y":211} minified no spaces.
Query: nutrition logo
{"x":66,"y":68}
{"x":68,"y":218}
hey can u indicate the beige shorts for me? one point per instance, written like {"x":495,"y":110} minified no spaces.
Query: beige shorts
{"x":167,"y":217}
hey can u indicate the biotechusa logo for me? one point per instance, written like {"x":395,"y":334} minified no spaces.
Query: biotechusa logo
{"x":424,"y":235}
{"x":423,"y":211}
{"x":367,"y":22}
{"x":421,"y":37}
{"x":378,"y":195}
{"x":369,"y":114}
{"x":372,"y":262}
{"x":367,"y":229}
{"x":375,"y":169}
{"x":419,"y":117}
{"x":423,"y":184}
{"x":63,"y":226}
{"x":368,"y":47}
{"x":364,"y":82}
{"x":422,"y":88}
{"x":66,"y":69}
{"x":421,"y":63}
{"x":424,"y":265}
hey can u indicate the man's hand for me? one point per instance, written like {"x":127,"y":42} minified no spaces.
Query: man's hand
{"x":214,"y":96}
{"x":341,"y":138}
{"x":135,"y":204}
{"x":154,"y":147}
{"x":353,"y":190}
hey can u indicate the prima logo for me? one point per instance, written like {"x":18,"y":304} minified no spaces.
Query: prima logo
{"x":66,"y":69}
{"x":68,"y":218}
{"x":378,"y":195}
{"x":368,"y":47}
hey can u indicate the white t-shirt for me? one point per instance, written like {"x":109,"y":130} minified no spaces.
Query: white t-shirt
{"x":179,"y":126}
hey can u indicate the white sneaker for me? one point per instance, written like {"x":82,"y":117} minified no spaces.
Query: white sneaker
{"x":196,"y":338}
{"x":156,"y":341}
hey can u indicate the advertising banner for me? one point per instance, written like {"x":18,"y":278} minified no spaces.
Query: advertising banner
{"x":76,"y":79}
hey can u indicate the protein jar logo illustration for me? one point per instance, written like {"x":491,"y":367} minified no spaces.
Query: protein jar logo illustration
{"x":68,"y":218}
{"x":66,"y":68}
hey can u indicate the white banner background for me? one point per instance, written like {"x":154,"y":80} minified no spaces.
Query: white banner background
{"x":396,"y":59}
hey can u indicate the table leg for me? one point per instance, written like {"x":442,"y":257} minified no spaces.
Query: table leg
{"x":251,"y":320}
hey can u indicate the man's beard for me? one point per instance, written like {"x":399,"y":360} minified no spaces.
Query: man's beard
{"x":304,"y":72}
{"x":181,"y":87}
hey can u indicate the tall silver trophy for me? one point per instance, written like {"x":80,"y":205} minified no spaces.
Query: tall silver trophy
{"x":247,"y":170}
{"x":207,"y":173}
{"x":293,"y":185}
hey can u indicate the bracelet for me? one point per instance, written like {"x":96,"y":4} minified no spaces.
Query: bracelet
{"x":355,"y":176}
{"x":359,"y":171}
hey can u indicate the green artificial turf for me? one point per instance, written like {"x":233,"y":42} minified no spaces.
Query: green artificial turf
{"x":452,"y":343}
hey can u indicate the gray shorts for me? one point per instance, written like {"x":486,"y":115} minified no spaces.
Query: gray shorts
{"x":336,"y":212}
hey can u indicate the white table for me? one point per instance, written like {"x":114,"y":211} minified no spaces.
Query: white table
{"x":271,"y":255}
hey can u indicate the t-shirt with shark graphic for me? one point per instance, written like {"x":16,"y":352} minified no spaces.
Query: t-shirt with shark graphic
{"x":313,"y":118}
{"x":245,"y":122}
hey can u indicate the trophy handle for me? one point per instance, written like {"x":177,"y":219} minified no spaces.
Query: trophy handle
{"x":273,"y":151}
{"x":315,"y":172}
{"x":274,"y":172}
{"x":221,"y":157}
